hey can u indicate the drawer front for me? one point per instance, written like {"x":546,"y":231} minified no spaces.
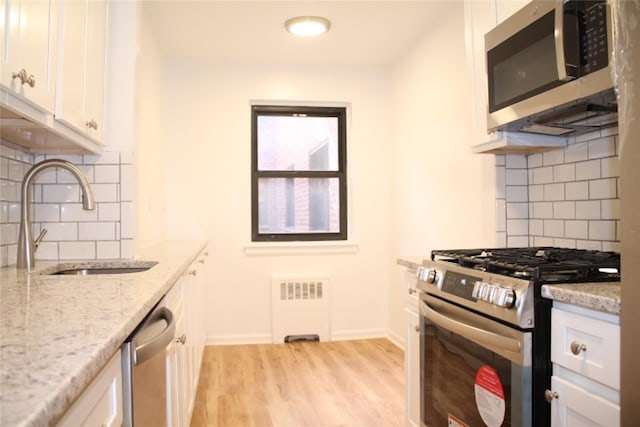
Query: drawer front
{"x":587,"y":346}
{"x":575,"y":406}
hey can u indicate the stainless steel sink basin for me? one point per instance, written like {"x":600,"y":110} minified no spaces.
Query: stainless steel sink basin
{"x":99,"y":267}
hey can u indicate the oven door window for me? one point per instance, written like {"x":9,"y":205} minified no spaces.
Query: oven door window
{"x":464,"y":384}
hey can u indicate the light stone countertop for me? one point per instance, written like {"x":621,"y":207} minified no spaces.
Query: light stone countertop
{"x":58,"y":332}
{"x":410,"y":262}
{"x":603,"y":297}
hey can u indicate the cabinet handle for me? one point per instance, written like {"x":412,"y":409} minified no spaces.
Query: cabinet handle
{"x":576,"y":347}
{"x":182,"y":339}
{"x":24,"y":77}
{"x":92,"y":124}
{"x":550,"y":395}
{"x":206,"y":254}
{"x":193,"y":272}
{"x":201,"y":261}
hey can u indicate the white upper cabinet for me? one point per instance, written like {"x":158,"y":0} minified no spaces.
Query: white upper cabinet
{"x":82,"y":67}
{"x":506,"y":8}
{"x":28,"y":50}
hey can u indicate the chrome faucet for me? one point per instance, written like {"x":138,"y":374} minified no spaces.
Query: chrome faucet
{"x":26,"y":245}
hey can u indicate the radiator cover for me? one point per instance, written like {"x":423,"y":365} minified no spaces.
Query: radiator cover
{"x":299,"y":306}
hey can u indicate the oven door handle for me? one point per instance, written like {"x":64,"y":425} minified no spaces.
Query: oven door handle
{"x":480,"y":336}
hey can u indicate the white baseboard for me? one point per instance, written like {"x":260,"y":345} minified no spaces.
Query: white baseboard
{"x":398,"y":340}
{"x":238,"y":339}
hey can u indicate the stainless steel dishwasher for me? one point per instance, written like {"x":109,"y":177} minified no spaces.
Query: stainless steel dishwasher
{"x":144,"y":369}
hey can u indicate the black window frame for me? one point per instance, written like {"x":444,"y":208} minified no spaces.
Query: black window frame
{"x":341,"y":173}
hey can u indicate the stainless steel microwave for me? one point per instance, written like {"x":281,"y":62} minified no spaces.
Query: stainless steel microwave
{"x":549,"y":69}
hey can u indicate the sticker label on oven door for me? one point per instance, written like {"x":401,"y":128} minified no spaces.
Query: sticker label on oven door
{"x":489,"y":396}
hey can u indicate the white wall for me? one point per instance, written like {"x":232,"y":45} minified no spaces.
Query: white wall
{"x":207,"y":136}
{"x":149,"y":154}
{"x":441,"y":191}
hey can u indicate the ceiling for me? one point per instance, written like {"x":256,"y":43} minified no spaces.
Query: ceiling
{"x":362,"y":32}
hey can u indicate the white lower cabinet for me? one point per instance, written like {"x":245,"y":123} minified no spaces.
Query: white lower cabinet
{"x":585,"y":351}
{"x":184,"y":355}
{"x":101,"y":403}
{"x":412,"y":364}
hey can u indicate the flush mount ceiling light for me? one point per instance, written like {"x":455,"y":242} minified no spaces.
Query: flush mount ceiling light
{"x":307,"y":25}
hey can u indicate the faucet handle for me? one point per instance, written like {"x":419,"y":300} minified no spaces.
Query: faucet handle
{"x":40,"y":236}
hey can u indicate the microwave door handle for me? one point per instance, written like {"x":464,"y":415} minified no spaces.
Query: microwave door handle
{"x":477,"y":335}
{"x":558,"y":40}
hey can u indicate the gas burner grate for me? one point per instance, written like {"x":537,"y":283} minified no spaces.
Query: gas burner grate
{"x":542,"y":264}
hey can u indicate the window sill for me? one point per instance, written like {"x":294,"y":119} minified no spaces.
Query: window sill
{"x":299,"y":248}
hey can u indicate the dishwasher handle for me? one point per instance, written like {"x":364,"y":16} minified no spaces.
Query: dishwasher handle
{"x":156,"y":333}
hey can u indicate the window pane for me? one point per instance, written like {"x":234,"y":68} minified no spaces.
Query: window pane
{"x":298,"y":205}
{"x":297,"y":143}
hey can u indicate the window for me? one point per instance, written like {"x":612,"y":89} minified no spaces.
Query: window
{"x":298,"y":183}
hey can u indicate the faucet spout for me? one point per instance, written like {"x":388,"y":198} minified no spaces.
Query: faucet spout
{"x":26,"y":244}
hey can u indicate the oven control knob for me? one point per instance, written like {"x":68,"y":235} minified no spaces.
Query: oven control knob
{"x":479,"y":289}
{"x":491,"y":293}
{"x":505,"y":297}
{"x":432,"y":276}
{"x":419,"y":273}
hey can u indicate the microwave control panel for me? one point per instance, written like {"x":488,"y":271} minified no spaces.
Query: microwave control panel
{"x":594,"y":44}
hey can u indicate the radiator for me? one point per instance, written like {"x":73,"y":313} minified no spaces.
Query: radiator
{"x":299,"y":308}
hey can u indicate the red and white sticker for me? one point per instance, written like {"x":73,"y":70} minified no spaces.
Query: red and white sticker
{"x":489,"y":396}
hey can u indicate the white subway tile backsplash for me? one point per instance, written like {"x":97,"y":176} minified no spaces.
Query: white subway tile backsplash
{"x":590,"y":245}
{"x":588,"y":170}
{"x":577,"y":190}
{"x":604,"y":147}
{"x":576,"y":229}
{"x":517,"y":227}
{"x":76,"y":159}
{"x":516,"y":161}
{"x":602,"y":230}
{"x":543,"y":175}
{"x":610,"y":209}
{"x":517,"y":193}
{"x":76,"y":250}
{"x":536,"y":227}
{"x":611,"y":246}
{"x":610,"y":167}
{"x":126,"y":220}
{"x":564,"y":210}
{"x":564,"y":173}
{"x":516,"y":177}
{"x":542,"y":210}
{"x":109,"y":211}
{"x":553,"y":192}
{"x":108,"y":250}
{"x":517,"y":241}
{"x":553,"y":157}
{"x":564,"y":243}
{"x":576,"y":153}
{"x":46,"y":212}
{"x":542,"y":241}
{"x":517,"y":210}
{"x":73,"y":212}
{"x":60,"y":231}
{"x":500,"y":159}
{"x":554,"y":228}
{"x":57,"y":206}
{"x":501,"y":215}
{"x":536,"y":193}
{"x":52,"y":193}
{"x":588,"y":209}
{"x":97,"y":231}
{"x":501,"y":186}
{"x":107,"y":174}
{"x":603,"y":188}
{"x":534,"y":160}
{"x":105,"y":192}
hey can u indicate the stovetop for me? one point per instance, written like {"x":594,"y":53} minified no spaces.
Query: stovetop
{"x":539,"y":264}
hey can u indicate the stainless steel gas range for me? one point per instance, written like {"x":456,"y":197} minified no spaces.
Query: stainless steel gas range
{"x":485,"y":331}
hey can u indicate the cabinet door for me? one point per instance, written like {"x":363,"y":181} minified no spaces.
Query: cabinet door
{"x":506,"y":8}
{"x":575,"y":407}
{"x":29,"y":43}
{"x":412,"y":367}
{"x":81,"y":66}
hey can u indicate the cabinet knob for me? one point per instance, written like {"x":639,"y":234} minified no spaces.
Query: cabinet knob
{"x":92,"y":124}
{"x":412,"y":291}
{"x":201,"y":261}
{"x":417,"y":328}
{"x":182,"y":339}
{"x":576,"y":347}
{"x":193,"y":272}
{"x":24,"y":77}
{"x":550,"y":395}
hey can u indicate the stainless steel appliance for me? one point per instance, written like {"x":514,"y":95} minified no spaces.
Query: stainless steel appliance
{"x":144,"y":369}
{"x":485,"y":331}
{"x":549,"y":69}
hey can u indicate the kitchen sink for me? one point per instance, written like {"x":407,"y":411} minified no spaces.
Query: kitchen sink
{"x":99,"y":267}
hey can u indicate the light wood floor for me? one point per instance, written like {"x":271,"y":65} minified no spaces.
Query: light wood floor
{"x":339,"y":383}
